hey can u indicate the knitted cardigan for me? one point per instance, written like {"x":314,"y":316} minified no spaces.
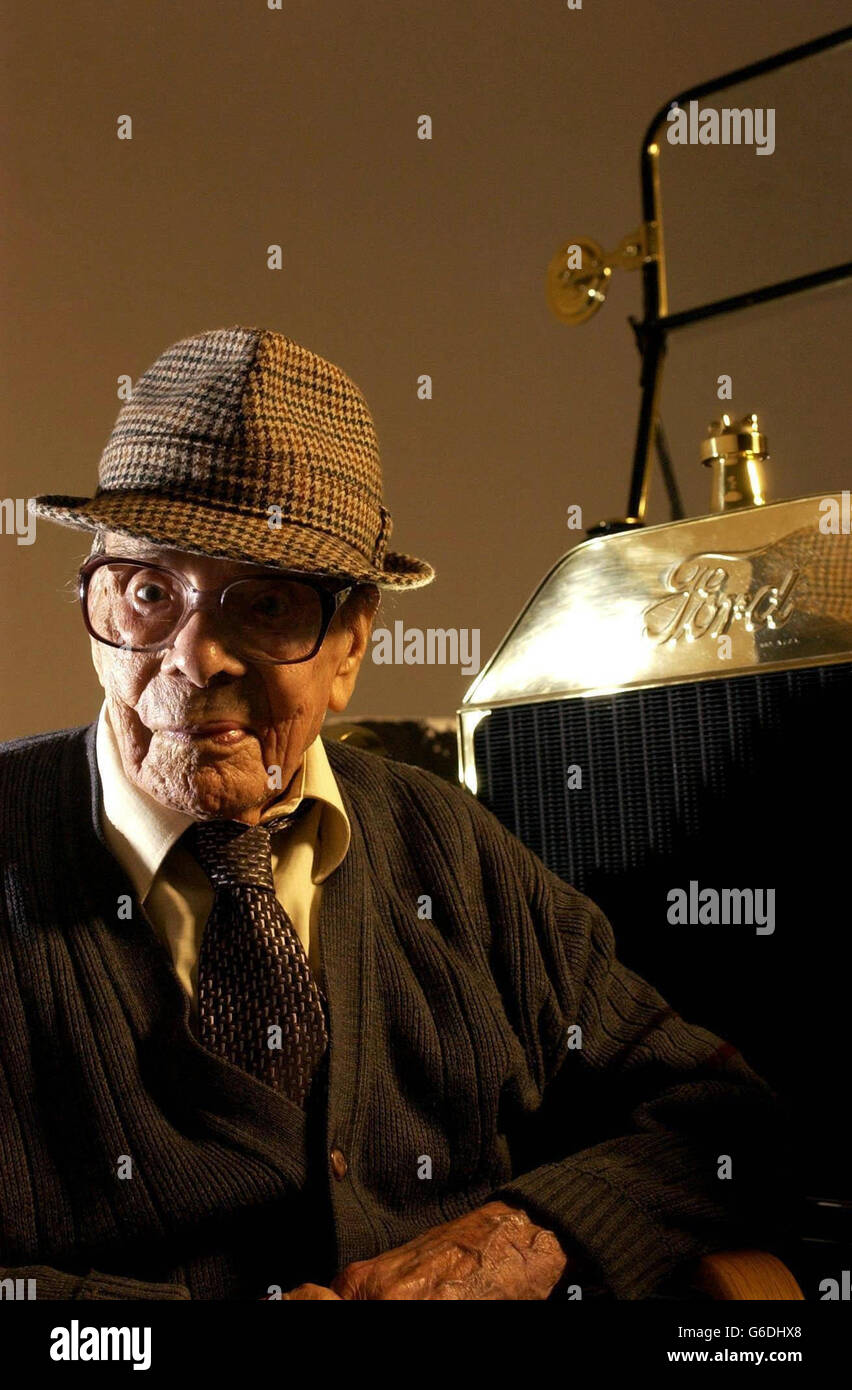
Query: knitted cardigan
{"x":136,"y":1164}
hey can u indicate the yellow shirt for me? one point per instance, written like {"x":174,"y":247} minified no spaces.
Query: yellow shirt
{"x":174,"y":891}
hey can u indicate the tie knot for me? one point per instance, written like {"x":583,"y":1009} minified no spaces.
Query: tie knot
{"x":233,"y":854}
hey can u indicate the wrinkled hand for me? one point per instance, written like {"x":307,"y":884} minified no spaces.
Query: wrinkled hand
{"x":495,"y":1252}
{"x":306,"y":1291}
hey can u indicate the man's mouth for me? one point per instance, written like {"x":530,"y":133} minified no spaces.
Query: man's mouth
{"x":222,"y":731}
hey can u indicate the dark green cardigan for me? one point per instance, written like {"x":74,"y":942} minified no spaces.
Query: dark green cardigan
{"x":449,"y":1042}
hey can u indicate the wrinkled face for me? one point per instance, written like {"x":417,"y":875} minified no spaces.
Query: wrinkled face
{"x":259,"y":716}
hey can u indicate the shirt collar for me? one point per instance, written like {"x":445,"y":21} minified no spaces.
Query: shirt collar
{"x":141,"y":831}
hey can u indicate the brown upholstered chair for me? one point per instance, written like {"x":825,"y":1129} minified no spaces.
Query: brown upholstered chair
{"x":744,"y":1274}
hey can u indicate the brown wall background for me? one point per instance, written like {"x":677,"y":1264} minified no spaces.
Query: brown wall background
{"x":401,"y":257}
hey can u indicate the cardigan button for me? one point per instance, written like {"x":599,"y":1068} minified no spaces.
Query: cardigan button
{"x":338,"y":1164}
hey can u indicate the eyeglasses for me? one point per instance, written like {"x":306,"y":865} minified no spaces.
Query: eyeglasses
{"x":141,"y":607}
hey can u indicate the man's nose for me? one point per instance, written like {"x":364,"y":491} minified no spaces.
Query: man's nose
{"x":201,"y":651}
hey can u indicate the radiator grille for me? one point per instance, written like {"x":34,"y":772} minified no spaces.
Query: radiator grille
{"x":651,"y":761}
{"x":732,"y":783}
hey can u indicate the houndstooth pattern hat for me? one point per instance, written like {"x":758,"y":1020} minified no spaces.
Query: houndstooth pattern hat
{"x":240,"y":444}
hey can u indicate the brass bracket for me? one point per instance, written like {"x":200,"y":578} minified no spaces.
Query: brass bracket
{"x":578,"y":275}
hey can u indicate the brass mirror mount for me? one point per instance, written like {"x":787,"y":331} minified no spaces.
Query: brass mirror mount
{"x":578,"y":275}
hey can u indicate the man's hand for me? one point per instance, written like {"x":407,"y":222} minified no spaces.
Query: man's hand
{"x":310,"y":1291}
{"x":495,"y":1252}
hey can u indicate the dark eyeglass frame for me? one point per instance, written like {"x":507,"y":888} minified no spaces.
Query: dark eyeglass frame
{"x":332,"y":594}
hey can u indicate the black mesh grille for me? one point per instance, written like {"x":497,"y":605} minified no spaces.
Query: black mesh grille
{"x":740,"y":782}
{"x":652,"y":761}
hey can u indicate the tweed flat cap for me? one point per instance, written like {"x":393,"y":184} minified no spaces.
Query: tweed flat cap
{"x":240,"y":444}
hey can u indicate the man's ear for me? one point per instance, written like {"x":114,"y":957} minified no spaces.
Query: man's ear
{"x":357,"y":628}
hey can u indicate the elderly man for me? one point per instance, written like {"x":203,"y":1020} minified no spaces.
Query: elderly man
{"x":282,"y":1018}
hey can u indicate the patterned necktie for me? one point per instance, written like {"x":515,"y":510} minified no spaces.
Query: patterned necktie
{"x":253,"y":973}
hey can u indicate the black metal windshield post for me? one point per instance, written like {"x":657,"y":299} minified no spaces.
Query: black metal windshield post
{"x":652,"y":330}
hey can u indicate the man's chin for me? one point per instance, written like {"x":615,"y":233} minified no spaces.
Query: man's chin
{"x":205,"y":777}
